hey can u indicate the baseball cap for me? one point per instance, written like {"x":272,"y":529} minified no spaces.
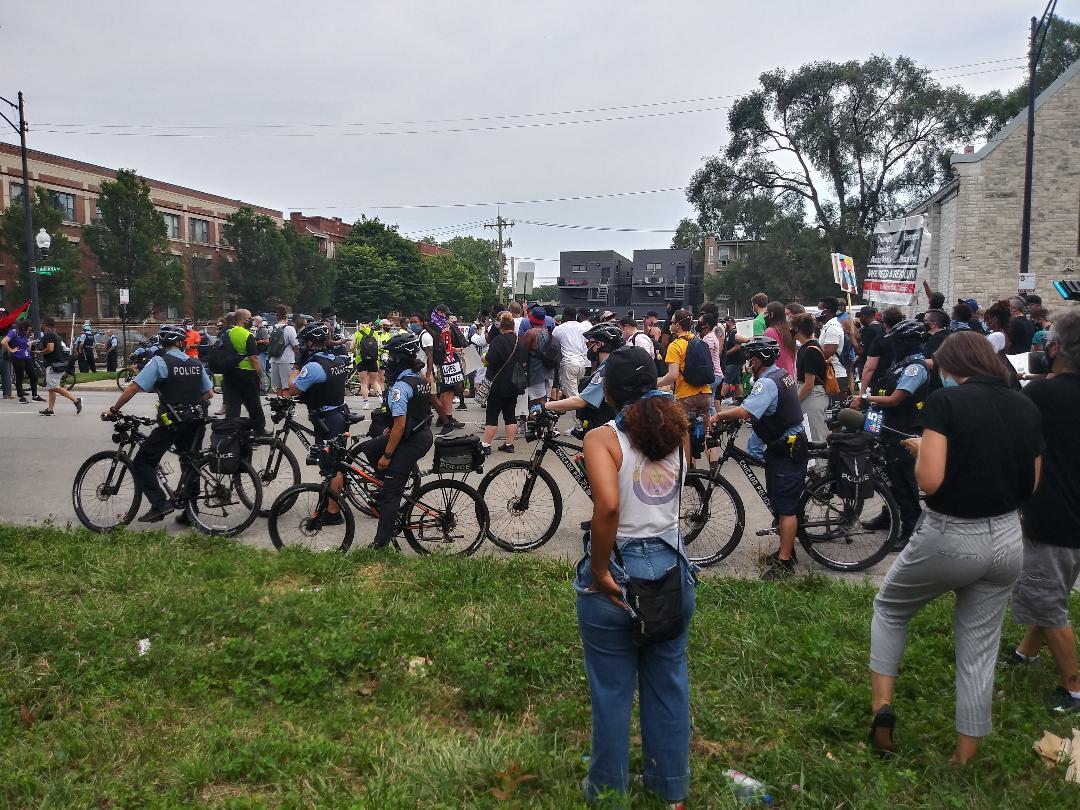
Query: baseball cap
{"x":628,"y":373}
{"x":971,"y":302}
{"x":443,"y":308}
{"x":537,"y":315}
{"x":606,"y":314}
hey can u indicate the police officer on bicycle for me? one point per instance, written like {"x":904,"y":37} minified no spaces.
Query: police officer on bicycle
{"x":900,"y":398}
{"x":593,"y":410}
{"x":182,"y":385}
{"x":320,"y":384}
{"x":405,"y":426}
{"x":775,"y":412}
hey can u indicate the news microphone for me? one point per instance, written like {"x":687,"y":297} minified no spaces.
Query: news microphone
{"x":854,"y":420}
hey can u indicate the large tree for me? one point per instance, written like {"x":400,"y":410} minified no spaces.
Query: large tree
{"x":367,"y":284}
{"x":129,"y":241}
{"x":456,"y":284}
{"x":853,"y":142}
{"x":58,"y":288}
{"x":258,"y":276}
{"x":310,"y":270}
{"x":482,"y":258}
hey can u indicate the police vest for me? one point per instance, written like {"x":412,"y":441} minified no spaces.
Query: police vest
{"x":182,"y":384}
{"x":904,"y":417}
{"x":418,"y":411}
{"x":331,"y":391}
{"x":788,"y":413}
{"x":592,"y":416}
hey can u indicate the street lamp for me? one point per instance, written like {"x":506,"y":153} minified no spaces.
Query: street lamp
{"x":21,"y":128}
{"x":43,"y":241}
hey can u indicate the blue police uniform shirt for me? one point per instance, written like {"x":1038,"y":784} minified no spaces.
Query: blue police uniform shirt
{"x":155,"y":371}
{"x":594,"y":391}
{"x":312,"y":374}
{"x":400,"y":394}
{"x":762,"y":401}
{"x":913,"y":377}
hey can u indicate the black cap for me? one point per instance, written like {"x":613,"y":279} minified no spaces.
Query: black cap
{"x":867,"y":312}
{"x":444,"y":309}
{"x":628,"y":373}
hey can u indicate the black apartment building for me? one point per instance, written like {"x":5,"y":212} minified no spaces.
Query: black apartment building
{"x":604,"y":279}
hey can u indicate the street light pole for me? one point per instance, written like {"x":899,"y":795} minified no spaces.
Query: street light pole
{"x":35,"y":313}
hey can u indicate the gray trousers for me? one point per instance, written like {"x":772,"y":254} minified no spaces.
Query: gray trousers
{"x":977,"y":558}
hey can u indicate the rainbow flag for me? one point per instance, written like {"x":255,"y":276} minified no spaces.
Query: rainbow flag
{"x":844,"y":273}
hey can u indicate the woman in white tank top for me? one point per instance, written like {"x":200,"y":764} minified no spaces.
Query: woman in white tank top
{"x":636,"y":466}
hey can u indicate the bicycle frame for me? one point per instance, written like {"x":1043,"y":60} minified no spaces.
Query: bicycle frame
{"x":559,"y":448}
{"x":746,"y":462}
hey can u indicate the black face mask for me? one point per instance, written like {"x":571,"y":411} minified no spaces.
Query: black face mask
{"x":395,"y":368}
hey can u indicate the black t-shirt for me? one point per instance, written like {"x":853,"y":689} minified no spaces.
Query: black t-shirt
{"x":933,"y":343}
{"x":867,"y":336}
{"x":735,"y":358}
{"x":810,"y":360}
{"x":57,"y":354}
{"x":1021,"y":331}
{"x":994,"y":435}
{"x":1052,"y":516}
{"x":882,"y":350}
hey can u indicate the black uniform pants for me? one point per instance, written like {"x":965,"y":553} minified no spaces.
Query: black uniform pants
{"x":87,"y":361}
{"x":243,"y":387}
{"x":396,"y":477}
{"x":24,"y":368}
{"x":185,"y":437}
{"x":902,"y":484}
{"x":110,"y":360}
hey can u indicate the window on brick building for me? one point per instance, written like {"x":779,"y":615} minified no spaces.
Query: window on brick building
{"x":104,"y":300}
{"x":200,"y":230}
{"x":577,"y":268}
{"x":172,"y":226}
{"x":725,"y":256}
{"x":172,"y":313}
{"x":653,"y":267}
{"x":16,"y":193}
{"x":65,"y":204}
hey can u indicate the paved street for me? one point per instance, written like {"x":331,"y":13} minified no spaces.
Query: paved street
{"x":42,"y":455}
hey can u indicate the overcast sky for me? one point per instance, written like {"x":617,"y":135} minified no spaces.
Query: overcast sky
{"x":235,"y":64}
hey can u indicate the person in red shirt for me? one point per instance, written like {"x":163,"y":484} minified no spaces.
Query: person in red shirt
{"x":191,"y":346}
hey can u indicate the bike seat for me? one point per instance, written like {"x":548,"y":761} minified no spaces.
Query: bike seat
{"x":812,"y":446}
{"x":356,"y":418}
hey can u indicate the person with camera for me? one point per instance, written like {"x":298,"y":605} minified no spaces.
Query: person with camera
{"x":405,"y":425}
{"x":1051,"y":520}
{"x":636,"y":464}
{"x":182,"y":385}
{"x":902,"y":391}
{"x":776,"y":415}
{"x":56,"y":360}
{"x":17,"y":343}
{"x":591,"y":406}
{"x":978,"y":462}
{"x":320,"y":385}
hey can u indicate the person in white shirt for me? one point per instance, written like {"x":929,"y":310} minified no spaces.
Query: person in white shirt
{"x":569,"y":338}
{"x":832,"y":340}
{"x":281,"y":366}
{"x":635,"y":337}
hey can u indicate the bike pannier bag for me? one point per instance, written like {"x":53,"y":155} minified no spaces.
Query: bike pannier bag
{"x":458,"y":455}
{"x":851,"y":468}
{"x":228,"y":440}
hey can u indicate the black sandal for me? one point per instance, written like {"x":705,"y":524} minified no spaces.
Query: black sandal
{"x":884,"y":719}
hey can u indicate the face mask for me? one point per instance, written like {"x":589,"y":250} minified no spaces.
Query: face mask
{"x":948,"y":382}
{"x":416,"y":328}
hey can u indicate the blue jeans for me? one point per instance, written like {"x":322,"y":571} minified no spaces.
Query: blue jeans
{"x":755,"y":446}
{"x":615,"y":666}
{"x":264,"y":364}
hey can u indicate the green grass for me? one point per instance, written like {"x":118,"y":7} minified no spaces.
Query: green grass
{"x":284,"y":680}
{"x":93,"y":376}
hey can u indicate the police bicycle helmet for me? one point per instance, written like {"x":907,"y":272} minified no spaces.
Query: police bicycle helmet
{"x":171,"y":335}
{"x":314,"y":333}
{"x":909,"y":331}
{"x":403,"y":346}
{"x":766,"y":349}
{"x":609,"y":335}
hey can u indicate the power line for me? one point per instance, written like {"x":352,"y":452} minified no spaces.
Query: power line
{"x":977,"y":64}
{"x":980,"y":72}
{"x":358,"y":207}
{"x":594,"y":227}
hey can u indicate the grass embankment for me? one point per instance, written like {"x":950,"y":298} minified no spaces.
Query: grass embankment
{"x":382,"y":681}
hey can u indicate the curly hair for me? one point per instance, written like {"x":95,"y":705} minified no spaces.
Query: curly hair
{"x":655,"y":425}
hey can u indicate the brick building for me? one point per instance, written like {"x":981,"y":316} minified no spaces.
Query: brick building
{"x":975,"y":219}
{"x":330,"y":232}
{"x":194,"y":220}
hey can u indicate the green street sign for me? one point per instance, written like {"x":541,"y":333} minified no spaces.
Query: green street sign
{"x":48,"y":270}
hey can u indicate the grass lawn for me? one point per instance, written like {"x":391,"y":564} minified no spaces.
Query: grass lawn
{"x":374,"y":680}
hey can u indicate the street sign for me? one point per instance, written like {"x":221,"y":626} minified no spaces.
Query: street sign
{"x":1026,"y":283}
{"x":523,"y":280}
{"x":48,"y":269}
{"x":124,"y":298}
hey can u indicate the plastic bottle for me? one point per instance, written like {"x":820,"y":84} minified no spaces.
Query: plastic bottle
{"x":747,"y":789}
{"x":579,"y":461}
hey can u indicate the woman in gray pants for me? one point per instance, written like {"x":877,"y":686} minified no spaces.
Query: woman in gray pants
{"x":978,"y":461}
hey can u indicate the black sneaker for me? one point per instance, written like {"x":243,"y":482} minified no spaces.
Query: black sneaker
{"x":779,"y":569}
{"x":1061,"y":701}
{"x":46,"y":412}
{"x":486,"y":448}
{"x":78,"y":404}
{"x":36,"y":398}
{"x":880,"y":523}
{"x":578,"y":433}
{"x":506,"y":448}
{"x":462,"y":406}
{"x":23,"y":400}
{"x":769,"y":559}
{"x":447,"y":429}
{"x":1013,"y":660}
{"x":182,"y":519}
{"x":455,"y":424}
{"x":332,"y":519}
{"x":156,"y":513}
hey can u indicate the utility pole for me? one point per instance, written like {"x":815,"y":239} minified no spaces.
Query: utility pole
{"x":498,"y":225}
{"x":31,"y":255}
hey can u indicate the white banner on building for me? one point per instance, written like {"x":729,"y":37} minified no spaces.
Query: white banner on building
{"x":899,"y":248}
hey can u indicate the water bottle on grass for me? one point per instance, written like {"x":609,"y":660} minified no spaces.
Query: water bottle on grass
{"x":747,"y":789}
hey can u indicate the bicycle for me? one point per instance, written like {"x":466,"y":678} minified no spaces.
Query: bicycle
{"x":106,"y":495}
{"x":270,"y":452}
{"x":527,"y":502}
{"x":830,"y":527}
{"x":124,"y":377}
{"x":437,"y":518}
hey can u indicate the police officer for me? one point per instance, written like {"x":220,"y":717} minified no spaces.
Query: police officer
{"x":593,"y":410}
{"x":775,"y":412}
{"x":182,"y":384}
{"x":407,"y":439}
{"x":900,"y":396}
{"x":320,"y":384}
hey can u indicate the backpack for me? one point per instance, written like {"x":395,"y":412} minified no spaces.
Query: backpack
{"x":546,"y":352}
{"x":697,"y":363}
{"x":222,"y":356}
{"x":369,"y":347}
{"x":88,"y":341}
{"x":276,"y":347}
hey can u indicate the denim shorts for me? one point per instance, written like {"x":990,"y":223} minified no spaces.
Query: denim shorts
{"x":1041,"y":595}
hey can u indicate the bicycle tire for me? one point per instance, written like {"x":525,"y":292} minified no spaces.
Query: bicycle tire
{"x":848,"y":522}
{"x":717,"y":535}
{"x":285,"y":474}
{"x":429,"y":521}
{"x":123,"y":378}
{"x":530,"y":520}
{"x":358,"y":495}
{"x":288,"y":500}
{"x":123,"y":516}
{"x":68,"y":381}
{"x":248,"y":495}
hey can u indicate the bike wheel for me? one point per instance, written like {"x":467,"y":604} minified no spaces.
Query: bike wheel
{"x":122,"y":379}
{"x":441,"y":519}
{"x":714,"y":514}
{"x":226,"y":503}
{"x":276,"y":466}
{"x":68,"y":380}
{"x":517,"y":526}
{"x":365,"y":498}
{"x":105,"y":494}
{"x":831,"y":530}
{"x":296,"y":519}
